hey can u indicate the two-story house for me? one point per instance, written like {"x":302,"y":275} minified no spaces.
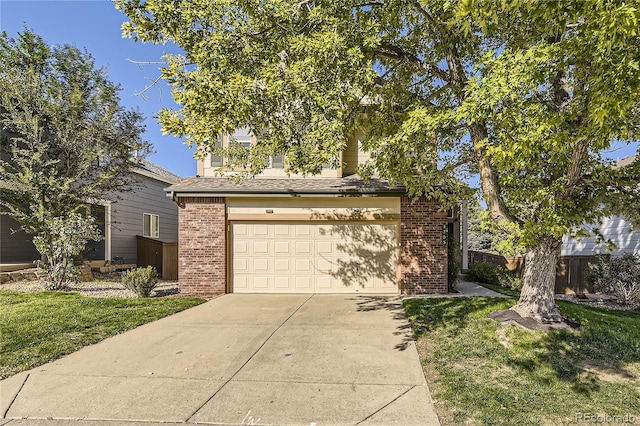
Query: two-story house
{"x":331,"y":233}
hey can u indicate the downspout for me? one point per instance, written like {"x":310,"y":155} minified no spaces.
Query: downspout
{"x":172,"y":195}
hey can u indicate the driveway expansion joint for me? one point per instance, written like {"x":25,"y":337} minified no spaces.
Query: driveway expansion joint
{"x":4,"y":415}
{"x":250,"y":358}
{"x":386,"y":405}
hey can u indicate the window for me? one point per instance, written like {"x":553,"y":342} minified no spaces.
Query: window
{"x":150,"y":225}
{"x":277,"y":161}
{"x":244,"y":137}
{"x":217,"y":160}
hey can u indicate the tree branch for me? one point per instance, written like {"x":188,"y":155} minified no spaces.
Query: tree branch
{"x":394,"y":52}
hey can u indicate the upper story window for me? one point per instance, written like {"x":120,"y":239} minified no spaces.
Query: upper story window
{"x":151,"y":225}
{"x":246,"y":139}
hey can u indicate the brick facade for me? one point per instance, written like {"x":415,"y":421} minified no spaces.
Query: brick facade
{"x":202,"y":246}
{"x":423,"y":253}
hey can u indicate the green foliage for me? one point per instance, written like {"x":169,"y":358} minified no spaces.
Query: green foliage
{"x":484,"y":272}
{"x":487,"y":236}
{"x":453,"y":263}
{"x":618,"y":276}
{"x":142,"y":281}
{"x":489,"y":273}
{"x":62,"y":239}
{"x":40,"y":327}
{"x":528,"y":94}
{"x":483,"y":372}
{"x":65,"y":142}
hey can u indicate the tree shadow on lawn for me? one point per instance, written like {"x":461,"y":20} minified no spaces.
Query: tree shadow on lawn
{"x":602,"y":349}
{"x":607,"y":342}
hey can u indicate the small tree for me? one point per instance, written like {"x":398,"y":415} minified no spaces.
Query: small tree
{"x":65,"y":142}
{"x":63,"y":239}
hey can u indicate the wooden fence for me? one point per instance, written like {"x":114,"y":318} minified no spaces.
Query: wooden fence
{"x":161,"y":255}
{"x":571,"y":271}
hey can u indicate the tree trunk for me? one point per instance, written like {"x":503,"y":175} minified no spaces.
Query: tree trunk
{"x":536,"y":298}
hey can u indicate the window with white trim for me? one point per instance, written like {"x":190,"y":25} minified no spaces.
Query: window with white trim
{"x":151,"y":225}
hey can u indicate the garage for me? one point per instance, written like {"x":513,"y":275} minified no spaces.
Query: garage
{"x":308,"y":235}
{"x":313,"y":245}
{"x":313,"y":257}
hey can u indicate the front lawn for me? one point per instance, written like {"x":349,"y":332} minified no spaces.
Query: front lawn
{"x":482,"y":372}
{"x":39,"y":327}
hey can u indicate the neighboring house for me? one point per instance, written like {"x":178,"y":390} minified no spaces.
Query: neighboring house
{"x":331,"y":233}
{"x":616,"y":229}
{"x":143,"y":211}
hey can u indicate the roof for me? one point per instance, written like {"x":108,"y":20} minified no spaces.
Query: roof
{"x":346,"y":186}
{"x":626,"y":161}
{"x":152,"y":170}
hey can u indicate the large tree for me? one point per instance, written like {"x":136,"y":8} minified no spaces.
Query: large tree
{"x":65,"y":142}
{"x":526,"y":94}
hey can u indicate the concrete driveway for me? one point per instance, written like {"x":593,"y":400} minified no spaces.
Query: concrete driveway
{"x":239,"y":359}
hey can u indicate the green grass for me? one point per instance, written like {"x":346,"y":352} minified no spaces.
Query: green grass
{"x":488,"y":373}
{"x":39,"y":327}
{"x":501,"y":289}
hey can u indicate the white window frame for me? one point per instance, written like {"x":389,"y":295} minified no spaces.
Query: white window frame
{"x":154,"y":231}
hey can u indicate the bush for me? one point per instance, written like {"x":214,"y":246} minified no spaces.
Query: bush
{"x":142,"y":281}
{"x":619,"y":277}
{"x":489,"y":273}
{"x":485,"y":272}
{"x":63,"y":239}
{"x":453,"y":263}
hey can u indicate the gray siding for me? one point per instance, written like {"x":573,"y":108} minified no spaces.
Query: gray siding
{"x":616,"y":229}
{"x":15,"y":247}
{"x":127,"y":213}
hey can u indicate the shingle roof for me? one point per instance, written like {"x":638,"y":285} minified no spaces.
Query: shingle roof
{"x":288,"y":186}
{"x":626,"y":161}
{"x":153,"y":168}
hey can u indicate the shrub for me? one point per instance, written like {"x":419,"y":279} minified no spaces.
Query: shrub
{"x":142,"y":281}
{"x":453,"y":263}
{"x":490,"y":273}
{"x":485,"y":272}
{"x":63,"y":239}
{"x":619,"y":277}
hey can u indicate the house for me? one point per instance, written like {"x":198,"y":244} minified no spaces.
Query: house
{"x":144,"y":211}
{"x":331,"y":233}
{"x":616,"y":229}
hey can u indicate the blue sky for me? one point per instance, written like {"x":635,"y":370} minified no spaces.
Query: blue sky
{"x":95,"y":25}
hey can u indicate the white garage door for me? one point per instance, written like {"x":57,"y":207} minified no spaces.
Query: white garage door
{"x":314,"y":257}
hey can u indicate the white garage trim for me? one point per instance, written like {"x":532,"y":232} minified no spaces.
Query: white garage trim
{"x":346,"y":256}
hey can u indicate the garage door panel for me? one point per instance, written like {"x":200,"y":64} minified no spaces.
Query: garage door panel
{"x":314,"y":257}
{"x":303,"y":248}
{"x":303,"y":283}
{"x":282,"y":265}
{"x":260,"y":265}
{"x":282,"y":247}
{"x":303,"y":266}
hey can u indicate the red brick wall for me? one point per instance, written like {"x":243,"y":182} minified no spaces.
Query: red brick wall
{"x":423,"y":255}
{"x":202,"y":246}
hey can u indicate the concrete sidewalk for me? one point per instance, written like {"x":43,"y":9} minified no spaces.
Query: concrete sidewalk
{"x":239,"y":359}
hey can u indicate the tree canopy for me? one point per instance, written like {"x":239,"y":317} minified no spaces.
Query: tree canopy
{"x":526,"y":94}
{"x":66,"y":140}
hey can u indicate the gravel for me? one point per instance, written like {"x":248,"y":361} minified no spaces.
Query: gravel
{"x":105,"y":285}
